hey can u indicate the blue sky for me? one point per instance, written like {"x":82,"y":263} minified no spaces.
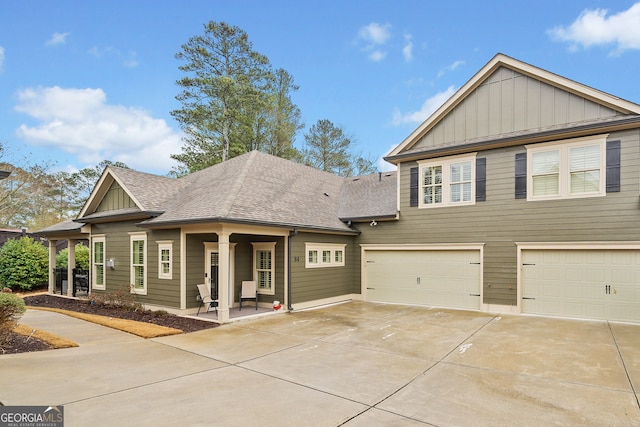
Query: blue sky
{"x":86,"y":81}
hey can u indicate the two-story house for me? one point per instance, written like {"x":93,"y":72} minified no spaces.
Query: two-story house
{"x":521,"y":194}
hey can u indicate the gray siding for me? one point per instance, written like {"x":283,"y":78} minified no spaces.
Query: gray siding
{"x":160,"y":292}
{"x":115,"y":198}
{"x":309,"y":284}
{"x":243,"y":264}
{"x":502,"y":220}
{"x":508,"y":102}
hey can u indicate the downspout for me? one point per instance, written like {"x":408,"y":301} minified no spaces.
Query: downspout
{"x":291,"y":234}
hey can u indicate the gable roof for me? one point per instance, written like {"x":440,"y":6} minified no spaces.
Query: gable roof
{"x":621,"y":109}
{"x":148,"y":192}
{"x":253,"y":188}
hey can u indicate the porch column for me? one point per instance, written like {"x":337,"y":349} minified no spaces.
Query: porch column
{"x":52,"y":266}
{"x":71,"y":264}
{"x":223,"y":277}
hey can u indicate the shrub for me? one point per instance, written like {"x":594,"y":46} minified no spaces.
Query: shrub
{"x":11,"y":308}
{"x":82,"y":257}
{"x":120,"y":298}
{"x":24,"y":264}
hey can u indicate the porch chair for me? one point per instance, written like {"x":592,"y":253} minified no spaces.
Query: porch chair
{"x":205,"y":298}
{"x":249,"y":291}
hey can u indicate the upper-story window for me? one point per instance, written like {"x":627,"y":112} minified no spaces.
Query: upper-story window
{"x":566,"y":169}
{"x":448,"y":181}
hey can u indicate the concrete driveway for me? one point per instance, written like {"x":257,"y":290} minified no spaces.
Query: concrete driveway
{"x":354,"y":364}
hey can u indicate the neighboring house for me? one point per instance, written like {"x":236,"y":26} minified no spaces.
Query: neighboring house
{"x":14,"y":233}
{"x":521,"y":194}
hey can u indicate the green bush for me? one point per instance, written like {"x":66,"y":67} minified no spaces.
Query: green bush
{"x":24,"y":264}
{"x":11,"y":308}
{"x":82,"y":257}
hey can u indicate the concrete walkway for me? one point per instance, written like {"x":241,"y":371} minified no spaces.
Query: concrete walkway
{"x":355,"y":364}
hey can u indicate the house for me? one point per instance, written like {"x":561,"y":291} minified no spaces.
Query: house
{"x":520,"y":194}
{"x":254,"y":217}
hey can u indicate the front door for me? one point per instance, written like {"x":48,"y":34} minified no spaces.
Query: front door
{"x":212,"y":269}
{"x":213,"y":273}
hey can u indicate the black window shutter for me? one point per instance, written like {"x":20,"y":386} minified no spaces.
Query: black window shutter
{"x":613,"y":166}
{"x":481,"y":180}
{"x":521,"y":175}
{"x":413,"y":187}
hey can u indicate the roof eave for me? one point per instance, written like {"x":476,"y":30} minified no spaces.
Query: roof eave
{"x":299,"y":227}
{"x":512,"y":140}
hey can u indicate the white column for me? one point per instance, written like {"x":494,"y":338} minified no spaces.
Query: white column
{"x":223,"y":277}
{"x":52,"y":265}
{"x":71,"y":264}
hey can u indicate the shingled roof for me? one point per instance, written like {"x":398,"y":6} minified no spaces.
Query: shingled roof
{"x":257,"y":188}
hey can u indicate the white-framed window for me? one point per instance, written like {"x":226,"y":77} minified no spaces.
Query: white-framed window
{"x":324,"y":255}
{"x":264,"y":273}
{"x":139,"y":263}
{"x":448,"y":181}
{"x":165,"y":259}
{"x":567,"y":169}
{"x":98,"y":261}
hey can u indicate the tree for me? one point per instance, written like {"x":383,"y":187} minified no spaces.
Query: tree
{"x":232,"y":101}
{"x":225,"y":77}
{"x":24,"y":263}
{"x":329,"y":149}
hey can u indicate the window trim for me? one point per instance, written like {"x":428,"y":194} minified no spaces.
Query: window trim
{"x":320,"y":248}
{"x":165,"y":245}
{"x":265,"y":246}
{"x":564,"y":171}
{"x":99,"y":239}
{"x":445,"y":163}
{"x":135,"y":237}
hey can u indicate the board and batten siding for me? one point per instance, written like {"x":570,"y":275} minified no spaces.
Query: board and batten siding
{"x":507,"y":102}
{"x":115,"y":198}
{"x":160,"y":292}
{"x":502,"y":220}
{"x":311,"y":284}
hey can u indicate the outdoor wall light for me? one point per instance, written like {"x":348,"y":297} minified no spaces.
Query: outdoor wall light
{"x":373,"y":223}
{"x":111,"y":263}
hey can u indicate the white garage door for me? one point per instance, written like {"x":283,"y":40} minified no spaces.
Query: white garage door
{"x":442,"y":278}
{"x":589,"y":284}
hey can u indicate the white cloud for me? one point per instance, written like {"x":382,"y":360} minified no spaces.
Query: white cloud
{"x":383,"y":165}
{"x":374,"y":36}
{"x":407,"y":50}
{"x":450,"y":67}
{"x":595,"y":28}
{"x":428,"y":107}
{"x":1,"y":59}
{"x":128,"y":60}
{"x":81,"y":122}
{"x":377,"y":55}
{"x":375,"y":33}
{"x":56,"y":39}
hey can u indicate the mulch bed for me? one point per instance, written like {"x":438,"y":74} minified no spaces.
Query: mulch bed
{"x":19,"y":344}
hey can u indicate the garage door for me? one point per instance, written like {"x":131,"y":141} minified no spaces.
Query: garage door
{"x":589,"y":284}
{"x":443,"y":278}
